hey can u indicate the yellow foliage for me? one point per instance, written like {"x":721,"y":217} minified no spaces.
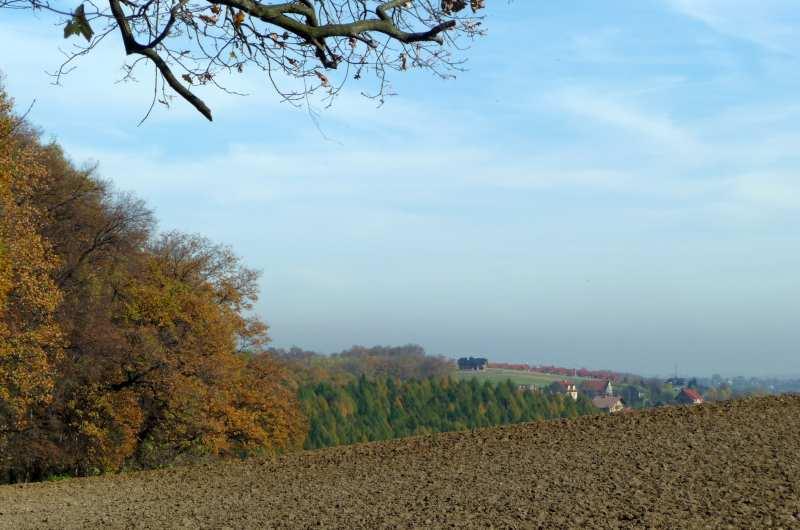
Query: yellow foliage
{"x":29,"y":337}
{"x":118,"y":349}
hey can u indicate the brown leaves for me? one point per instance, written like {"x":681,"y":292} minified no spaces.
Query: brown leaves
{"x":201,"y":78}
{"x":79,"y":25}
{"x":477,"y":4}
{"x":322,"y":78}
{"x":210,"y":20}
{"x":454,"y":6}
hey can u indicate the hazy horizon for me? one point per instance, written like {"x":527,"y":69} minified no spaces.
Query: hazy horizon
{"x":621,"y":191}
{"x":678,"y":370}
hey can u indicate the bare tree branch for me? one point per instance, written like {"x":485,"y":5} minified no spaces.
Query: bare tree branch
{"x":192,"y":42}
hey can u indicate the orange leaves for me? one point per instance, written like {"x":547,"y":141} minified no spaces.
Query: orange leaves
{"x":238,"y":18}
{"x":267,"y":390}
{"x":186,"y":306}
{"x":29,"y":335}
{"x":104,"y":427}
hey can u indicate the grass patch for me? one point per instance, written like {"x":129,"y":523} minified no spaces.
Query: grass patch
{"x":520,"y":377}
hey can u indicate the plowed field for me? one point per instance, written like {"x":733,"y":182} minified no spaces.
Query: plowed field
{"x":735,"y":464}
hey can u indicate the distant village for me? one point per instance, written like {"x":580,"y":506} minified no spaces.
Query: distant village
{"x":609,"y":391}
{"x":601,"y":392}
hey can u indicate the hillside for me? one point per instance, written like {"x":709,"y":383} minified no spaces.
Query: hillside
{"x":520,"y":377}
{"x":733,"y":463}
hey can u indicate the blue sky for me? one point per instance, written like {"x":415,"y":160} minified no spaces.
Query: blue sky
{"x":612,"y":185}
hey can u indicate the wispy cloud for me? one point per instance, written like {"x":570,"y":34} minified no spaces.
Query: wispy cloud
{"x":769,"y":23}
{"x":657,"y":128}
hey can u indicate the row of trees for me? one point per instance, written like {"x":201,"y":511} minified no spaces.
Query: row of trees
{"x":401,"y":362}
{"x":610,"y":375}
{"x":367,"y":410}
{"x":120,"y":347}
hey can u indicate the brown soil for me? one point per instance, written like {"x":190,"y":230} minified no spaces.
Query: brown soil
{"x":731,"y":465}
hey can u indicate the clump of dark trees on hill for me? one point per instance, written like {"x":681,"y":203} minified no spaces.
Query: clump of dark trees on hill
{"x":472,"y":363}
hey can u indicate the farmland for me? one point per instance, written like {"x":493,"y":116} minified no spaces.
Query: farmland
{"x":520,"y":377}
{"x":732,"y":464}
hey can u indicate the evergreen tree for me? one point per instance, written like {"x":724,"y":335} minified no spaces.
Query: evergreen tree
{"x":379,"y":409}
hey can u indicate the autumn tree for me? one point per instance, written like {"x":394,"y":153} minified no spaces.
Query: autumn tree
{"x":30,"y":339}
{"x":156,"y":369}
{"x":295,"y":43}
{"x":121,"y":347}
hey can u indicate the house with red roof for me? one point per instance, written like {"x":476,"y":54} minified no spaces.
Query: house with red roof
{"x":690,"y":396}
{"x":596,"y":387}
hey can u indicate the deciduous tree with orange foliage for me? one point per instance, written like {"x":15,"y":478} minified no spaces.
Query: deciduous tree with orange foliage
{"x":120,"y":347}
{"x":29,"y":337}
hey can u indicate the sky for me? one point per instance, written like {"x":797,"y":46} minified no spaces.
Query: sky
{"x":609,"y":185}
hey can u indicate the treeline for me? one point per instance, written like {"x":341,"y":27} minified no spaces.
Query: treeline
{"x":119,"y":346}
{"x":367,"y":410}
{"x":401,"y":362}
